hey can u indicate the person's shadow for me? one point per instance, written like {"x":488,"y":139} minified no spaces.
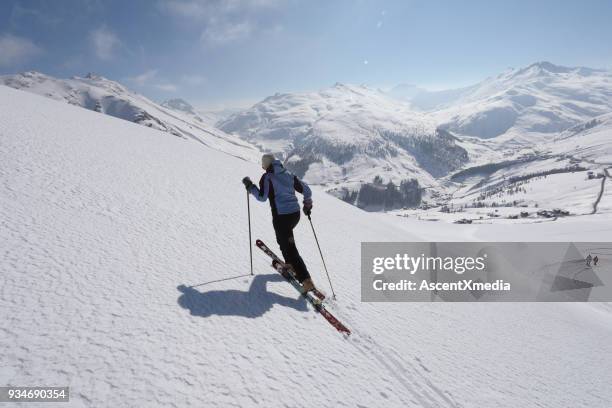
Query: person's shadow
{"x":253,"y":303}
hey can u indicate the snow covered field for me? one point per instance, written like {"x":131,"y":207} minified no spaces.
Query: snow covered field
{"x":104,"y":220}
{"x":102,"y":95}
{"x":572,"y":192}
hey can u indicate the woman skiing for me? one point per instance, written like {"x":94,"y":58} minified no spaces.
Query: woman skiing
{"x":279,"y":186}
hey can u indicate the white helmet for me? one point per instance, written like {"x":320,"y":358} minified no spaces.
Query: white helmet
{"x":266,"y":160}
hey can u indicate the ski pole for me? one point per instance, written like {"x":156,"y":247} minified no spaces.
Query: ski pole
{"x":250,"y":242}
{"x":324,"y":266}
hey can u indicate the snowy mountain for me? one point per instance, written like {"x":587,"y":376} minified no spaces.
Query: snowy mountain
{"x":561,"y":176}
{"x":590,"y":141}
{"x":179,"y":105}
{"x":200,"y":115}
{"x":539,"y":99}
{"x":347,"y":136}
{"x":102,"y":95}
{"x":124,"y":278}
{"x":405,"y":92}
{"x":380,"y":153}
{"x":355,"y":140}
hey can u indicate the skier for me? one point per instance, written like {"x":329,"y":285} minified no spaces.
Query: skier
{"x":589,"y":258}
{"x":595,"y":260}
{"x":279,"y":186}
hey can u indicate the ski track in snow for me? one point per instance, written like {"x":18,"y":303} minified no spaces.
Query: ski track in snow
{"x":104,"y":220}
{"x":402,"y":371}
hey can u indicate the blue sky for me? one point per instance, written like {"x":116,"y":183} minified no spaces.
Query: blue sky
{"x":233,"y":52}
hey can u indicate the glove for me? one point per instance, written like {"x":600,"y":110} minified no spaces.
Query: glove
{"x":247,"y":183}
{"x":307,"y":208}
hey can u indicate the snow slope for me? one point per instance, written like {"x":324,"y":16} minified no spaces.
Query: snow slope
{"x":590,"y":141}
{"x":102,"y":95}
{"x":104,"y":220}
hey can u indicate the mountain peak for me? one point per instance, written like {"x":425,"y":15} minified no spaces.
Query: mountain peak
{"x":545,"y":68}
{"x":33,"y":74}
{"x":178,"y":104}
{"x":94,"y":76}
{"x":24,"y":80}
{"x":97,"y":80}
{"x":352,"y":88}
{"x":550,"y":67}
{"x":541,"y":68}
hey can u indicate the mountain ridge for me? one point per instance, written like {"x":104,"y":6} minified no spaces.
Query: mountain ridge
{"x":97,"y":93}
{"x":354,"y":139}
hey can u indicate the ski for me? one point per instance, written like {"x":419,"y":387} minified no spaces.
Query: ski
{"x":281,"y":268}
{"x":275,"y":257}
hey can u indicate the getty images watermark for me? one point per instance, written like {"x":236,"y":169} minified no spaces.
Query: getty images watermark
{"x":486,"y":272}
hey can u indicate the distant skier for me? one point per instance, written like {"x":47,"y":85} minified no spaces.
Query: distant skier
{"x":589,"y":258}
{"x":595,"y":260}
{"x":279,"y":185}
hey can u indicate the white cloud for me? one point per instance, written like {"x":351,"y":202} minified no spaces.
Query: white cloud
{"x":186,"y":9}
{"x":224,"y":21}
{"x":144,"y":77}
{"x":104,"y":42}
{"x":21,"y":15}
{"x":383,"y":13}
{"x":193,"y":80}
{"x":166,"y":87}
{"x":149,"y":76}
{"x":204,"y":9}
{"x":16,"y":50}
{"x":219,"y":33}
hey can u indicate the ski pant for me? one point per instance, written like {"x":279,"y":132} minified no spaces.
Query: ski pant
{"x":283,"y":227}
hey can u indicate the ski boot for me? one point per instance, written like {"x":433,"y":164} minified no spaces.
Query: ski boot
{"x":308,"y":285}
